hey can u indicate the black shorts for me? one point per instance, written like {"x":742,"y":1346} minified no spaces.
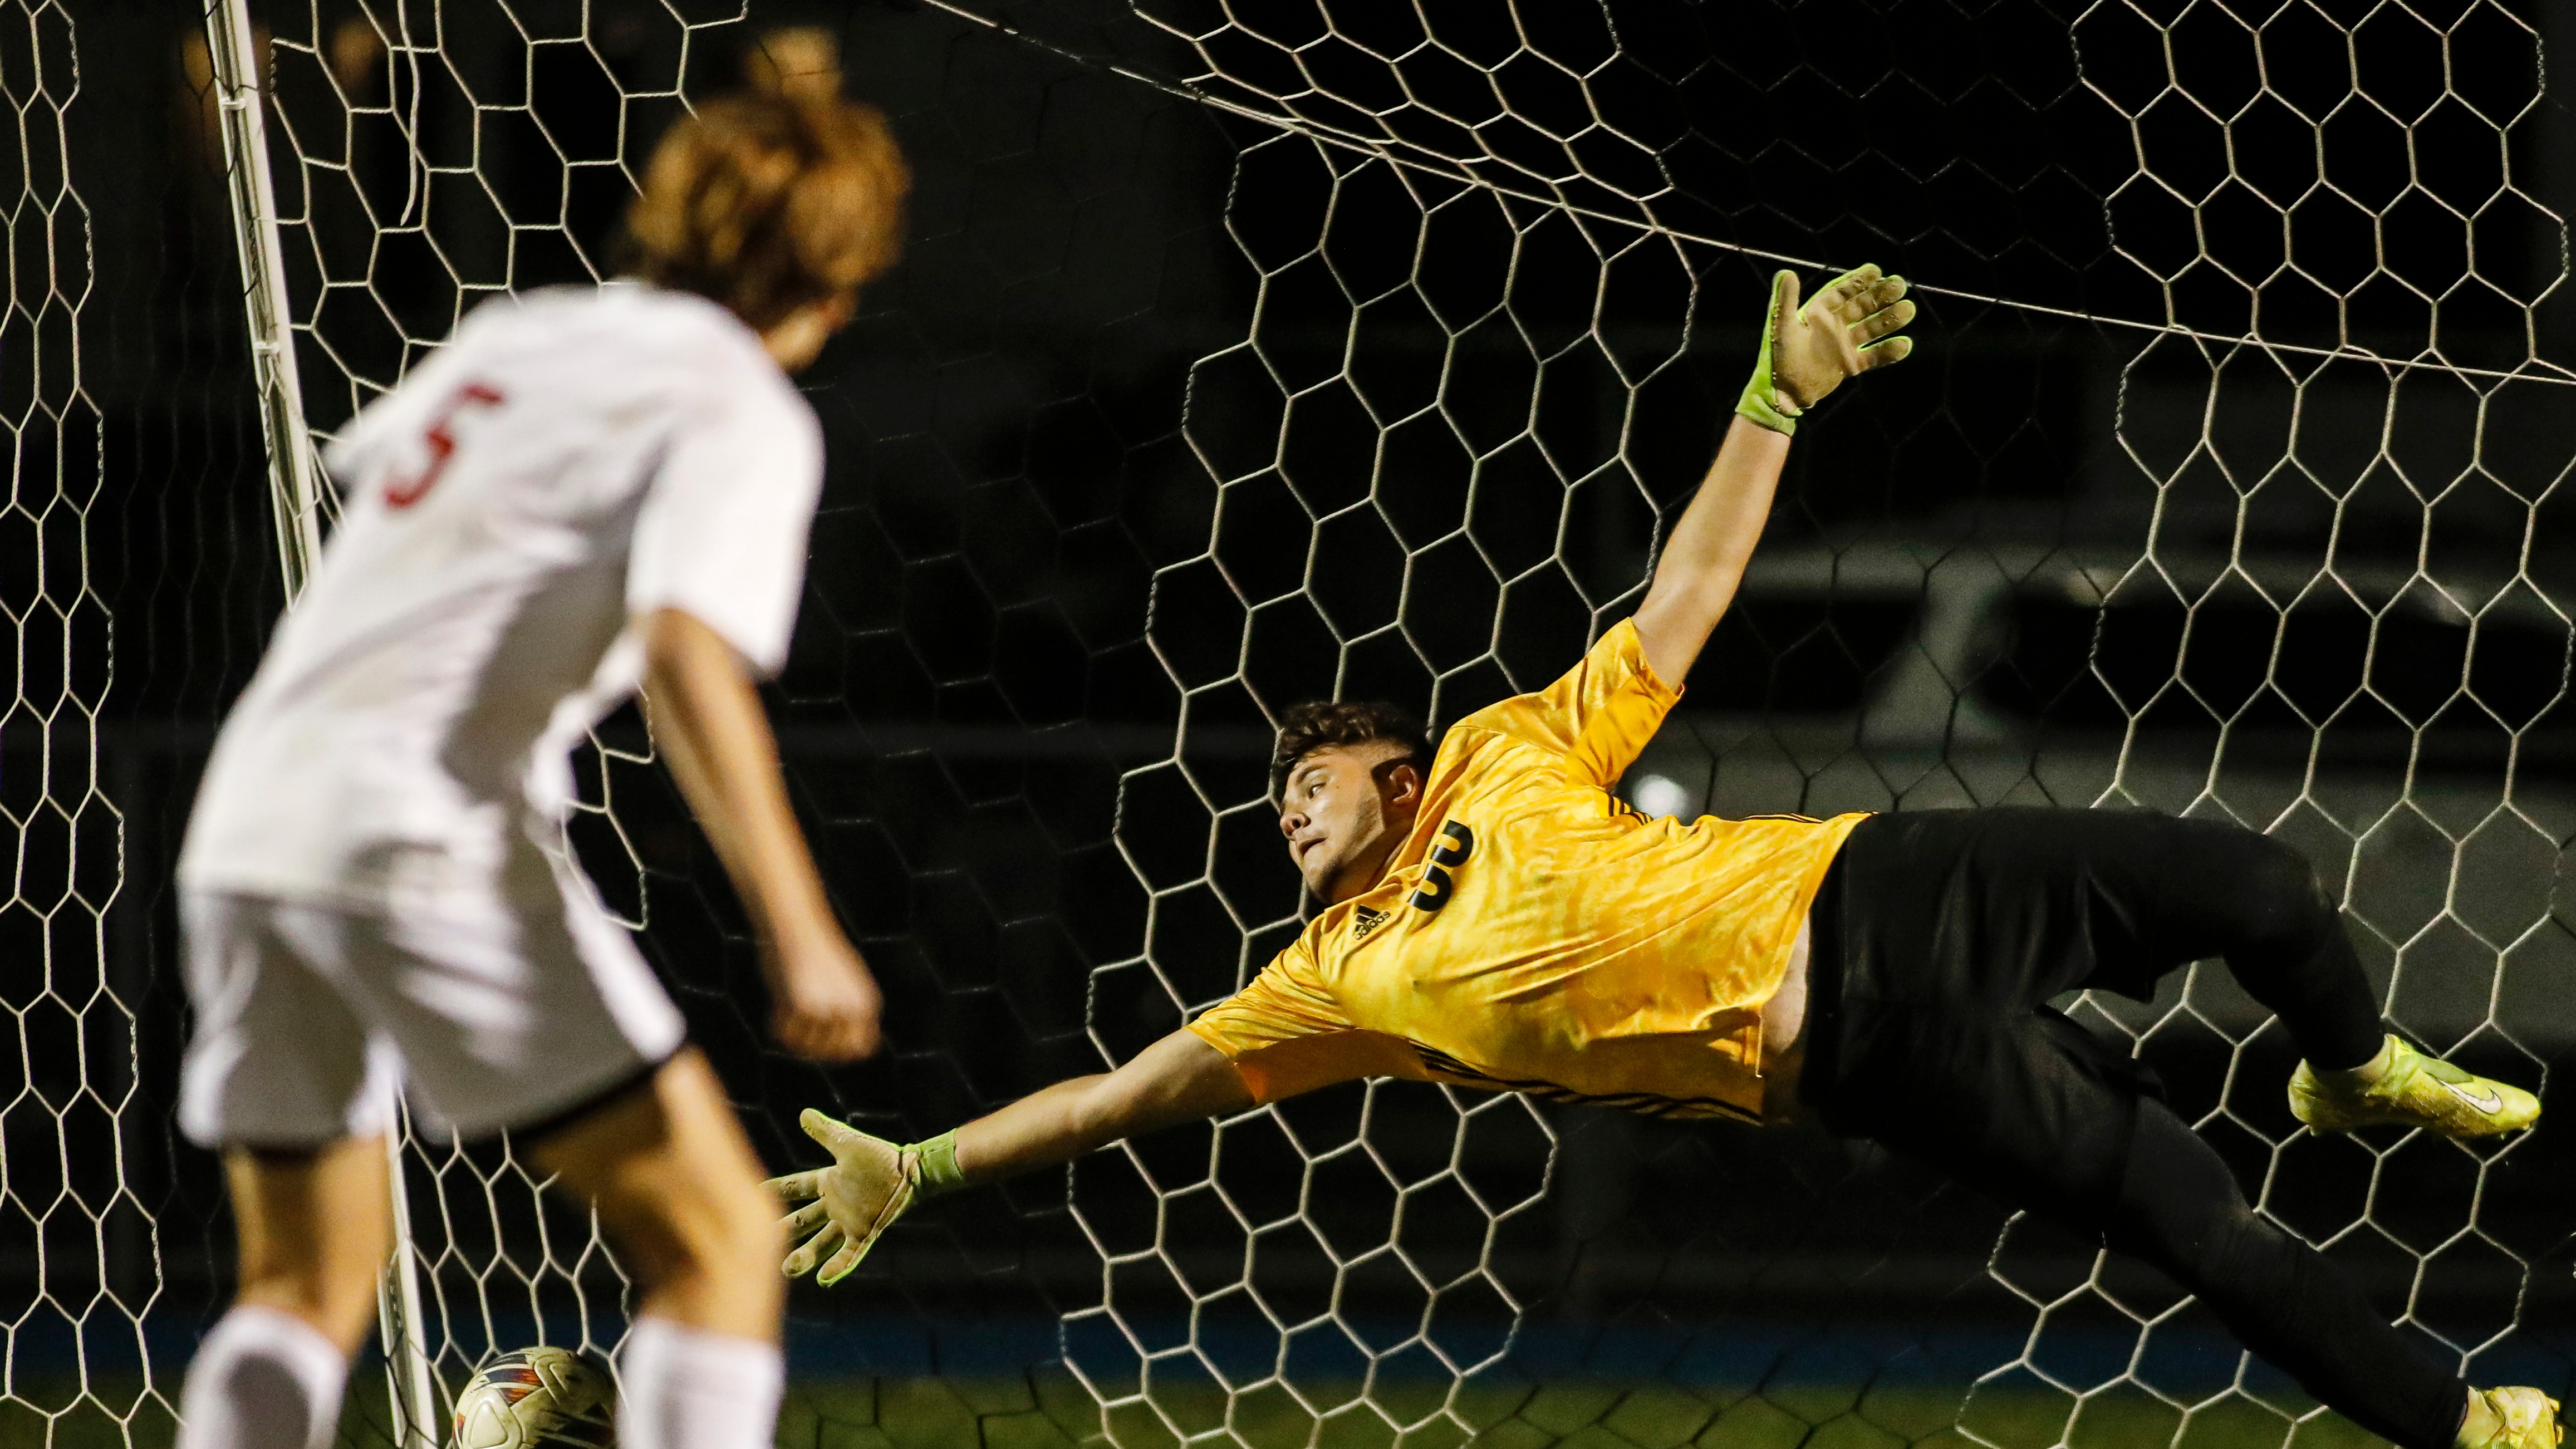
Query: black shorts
{"x":1938,"y":939}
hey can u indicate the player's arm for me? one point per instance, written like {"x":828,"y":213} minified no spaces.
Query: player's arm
{"x":871,"y":1181}
{"x":1178,"y":1079}
{"x":1807,"y":352}
{"x":709,"y":724}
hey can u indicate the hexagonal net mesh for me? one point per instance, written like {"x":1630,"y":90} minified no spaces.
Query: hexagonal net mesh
{"x":1257,"y":352}
{"x":2222,"y":489}
{"x":71,"y":1195}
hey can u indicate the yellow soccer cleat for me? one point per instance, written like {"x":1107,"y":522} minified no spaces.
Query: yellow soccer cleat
{"x":2413,"y":1091}
{"x":2514,"y":1418}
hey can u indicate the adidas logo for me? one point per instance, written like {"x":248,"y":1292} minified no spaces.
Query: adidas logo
{"x":1365,"y":922}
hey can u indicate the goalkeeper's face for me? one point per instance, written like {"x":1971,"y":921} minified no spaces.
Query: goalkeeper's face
{"x":1344,"y":809}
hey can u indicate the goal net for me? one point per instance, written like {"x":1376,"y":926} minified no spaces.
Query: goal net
{"x":1252,"y":353}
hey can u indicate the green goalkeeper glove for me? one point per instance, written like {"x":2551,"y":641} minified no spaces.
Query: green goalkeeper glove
{"x":1807,"y":351}
{"x":869,"y":1184}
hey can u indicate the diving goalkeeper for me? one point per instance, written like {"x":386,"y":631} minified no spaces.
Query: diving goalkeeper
{"x":1490,"y":916}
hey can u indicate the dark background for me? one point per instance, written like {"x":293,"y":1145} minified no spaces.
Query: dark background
{"x":1173,"y":416}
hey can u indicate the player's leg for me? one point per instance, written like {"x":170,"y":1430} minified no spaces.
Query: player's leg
{"x":527,"y":1009}
{"x":2031,"y":903}
{"x":678,"y":1185}
{"x":314,"y":1232}
{"x":2184,"y":890}
{"x":2179,"y":1207}
{"x":279,"y":1060}
{"x":2036,"y":902}
{"x":313,"y":1235}
{"x":1939,"y":943}
{"x":678,"y":1189}
{"x":2033,"y":1116}
{"x":2188,"y":890}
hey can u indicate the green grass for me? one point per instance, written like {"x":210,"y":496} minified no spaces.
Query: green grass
{"x":1051,"y":1411}
{"x":114,"y":1411}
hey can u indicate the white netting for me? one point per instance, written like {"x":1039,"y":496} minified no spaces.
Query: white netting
{"x":2324,"y":182}
{"x":2238,"y":503}
{"x":2302,"y":582}
{"x":68,"y":1079}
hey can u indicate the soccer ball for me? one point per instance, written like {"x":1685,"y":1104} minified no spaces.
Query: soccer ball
{"x":536,"y":1397}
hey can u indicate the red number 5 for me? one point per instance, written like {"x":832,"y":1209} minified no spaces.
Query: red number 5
{"x":441,"y":442}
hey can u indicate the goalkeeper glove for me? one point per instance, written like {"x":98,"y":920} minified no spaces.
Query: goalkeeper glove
{"x":869,"y":1184}
{"x":1849,"y":328}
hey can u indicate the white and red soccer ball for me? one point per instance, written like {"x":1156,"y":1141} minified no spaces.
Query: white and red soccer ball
{"x":538,"y":1398}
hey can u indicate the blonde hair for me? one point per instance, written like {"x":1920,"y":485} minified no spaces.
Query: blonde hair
{"x":768,"y":202}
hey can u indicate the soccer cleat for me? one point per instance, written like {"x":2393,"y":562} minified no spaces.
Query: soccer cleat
{"x":869,"y":1184}
{"x":2513,"y":1418}
{"x":2415,"y":1091}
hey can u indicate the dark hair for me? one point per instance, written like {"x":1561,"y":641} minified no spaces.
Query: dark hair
{"x":1320,"y":724}
{"x":765,"y":203}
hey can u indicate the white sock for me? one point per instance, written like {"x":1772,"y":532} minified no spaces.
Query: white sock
{"x":686,"y":1388}
{"x":262,"y":1380}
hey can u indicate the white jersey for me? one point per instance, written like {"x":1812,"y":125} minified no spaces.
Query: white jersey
{"x":566,"y":462}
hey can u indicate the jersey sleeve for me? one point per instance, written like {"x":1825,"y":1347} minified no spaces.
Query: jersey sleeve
{"x":1599,"y":716}
{"x":723,"y":530}
{"x":1286,"y":1035}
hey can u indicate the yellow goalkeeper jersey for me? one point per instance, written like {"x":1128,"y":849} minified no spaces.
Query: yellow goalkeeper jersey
{"x":1533,"y":934}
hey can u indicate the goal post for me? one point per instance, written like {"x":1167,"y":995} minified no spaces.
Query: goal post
{"x":297,"y":502}
{"x":295,"y":480}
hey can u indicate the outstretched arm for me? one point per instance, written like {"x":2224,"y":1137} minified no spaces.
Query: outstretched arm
{"x":1704,"y":560}
{"x":871,"y":1181}
{"x":1806,"y":353}
{"x":1178,"y":1079}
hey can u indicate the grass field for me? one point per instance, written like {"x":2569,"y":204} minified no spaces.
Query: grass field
{"x":1050,"y":1411}
{"x":1006,"y":1414}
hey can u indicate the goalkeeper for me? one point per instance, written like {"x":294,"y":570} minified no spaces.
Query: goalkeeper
{"x":1491,"y":916}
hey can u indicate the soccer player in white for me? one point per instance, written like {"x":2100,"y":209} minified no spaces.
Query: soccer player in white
{"x":583,"y":493}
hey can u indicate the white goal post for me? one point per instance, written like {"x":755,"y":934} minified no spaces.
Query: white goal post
{"x":297,"y":499}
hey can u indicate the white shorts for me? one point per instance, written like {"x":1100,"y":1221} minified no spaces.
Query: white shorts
{"x":507,"y":1009}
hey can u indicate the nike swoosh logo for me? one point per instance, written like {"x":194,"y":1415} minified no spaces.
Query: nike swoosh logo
{"x":2485,"y":1101}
